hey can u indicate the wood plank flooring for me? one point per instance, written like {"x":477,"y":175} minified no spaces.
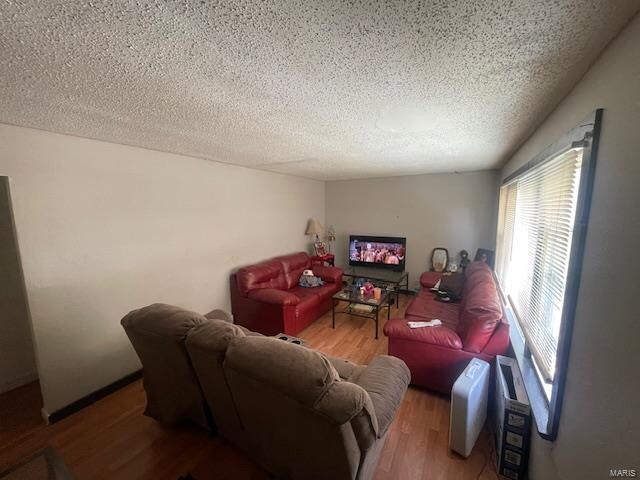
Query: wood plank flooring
{"x":111,"y":439}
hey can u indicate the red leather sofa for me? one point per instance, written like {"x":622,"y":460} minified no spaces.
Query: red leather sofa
{"x":266,"y":298}
{"x":475,"y":327}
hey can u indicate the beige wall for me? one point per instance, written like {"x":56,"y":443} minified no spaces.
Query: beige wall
{"x":456,"y":211}
{"x":106,"y":228}
{"x":600,"y":422}
{"x":17,"y":361}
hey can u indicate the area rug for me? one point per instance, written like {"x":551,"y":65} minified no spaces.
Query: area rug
{"x":44,"y":465}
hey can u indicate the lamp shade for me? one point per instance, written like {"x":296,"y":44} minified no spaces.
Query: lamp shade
{"x":314,"y":227}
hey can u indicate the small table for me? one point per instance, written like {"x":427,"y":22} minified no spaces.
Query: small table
{"x":385,"y":279}
{"x":356,"y":301}
{"x":322,"y":259}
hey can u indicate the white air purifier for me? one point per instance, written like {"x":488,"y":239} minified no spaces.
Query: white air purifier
{"x":468,"y":406}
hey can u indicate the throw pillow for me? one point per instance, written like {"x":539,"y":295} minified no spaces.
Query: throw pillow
{"x":309,"y":281}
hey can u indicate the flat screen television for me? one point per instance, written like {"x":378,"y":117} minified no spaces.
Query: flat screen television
{"x":378,"y":252}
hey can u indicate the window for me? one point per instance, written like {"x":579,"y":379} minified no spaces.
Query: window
{"x":537,"y":218}
{"x":542,"y":220}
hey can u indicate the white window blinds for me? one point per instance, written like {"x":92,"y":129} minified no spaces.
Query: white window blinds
{"x":535,"y":228}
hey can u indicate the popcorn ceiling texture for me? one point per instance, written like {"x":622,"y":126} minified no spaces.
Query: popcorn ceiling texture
{"x":321,"y":89}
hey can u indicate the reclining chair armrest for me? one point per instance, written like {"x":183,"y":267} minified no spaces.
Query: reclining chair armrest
{"x":219,"y":314}
{"x":273,"y":296}
{"x":328,"y":274}
{"x":346,"y":370}
{"x":441,"y":336}
{"x":386,"y":380}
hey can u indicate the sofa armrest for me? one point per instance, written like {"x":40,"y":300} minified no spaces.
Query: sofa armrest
{"x":386,"y":380}
{"x":273,"y":296}
{"x":441,"y":335}
{"x":328,"y":274}
{"x":429,"y":279}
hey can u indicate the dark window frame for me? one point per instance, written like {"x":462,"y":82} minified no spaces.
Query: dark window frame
{"x":547,"y":412}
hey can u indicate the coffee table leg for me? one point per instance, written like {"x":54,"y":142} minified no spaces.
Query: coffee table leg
{"x":333,"y":315}
{"x":377,"y":312}
{"x":398,"y":291}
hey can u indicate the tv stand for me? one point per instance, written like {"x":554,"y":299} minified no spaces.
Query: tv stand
{"x":390,"y":280}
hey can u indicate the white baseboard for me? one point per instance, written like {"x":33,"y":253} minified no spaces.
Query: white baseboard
{"x":18,"y":382}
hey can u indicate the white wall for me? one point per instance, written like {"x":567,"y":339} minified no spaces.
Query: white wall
{"x":600,"y":423}
{"x":456,"y":211}
{"x":106,"y":228}
{"x":17,"y":361}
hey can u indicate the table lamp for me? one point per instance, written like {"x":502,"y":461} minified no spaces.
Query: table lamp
{"x":314,"y":228}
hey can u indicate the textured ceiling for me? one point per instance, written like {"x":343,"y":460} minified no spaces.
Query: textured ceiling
{"x":321,"y":89}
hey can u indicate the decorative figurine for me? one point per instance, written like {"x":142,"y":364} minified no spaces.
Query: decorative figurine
{"x":464,"y":259}
{"x":368,"y":288}
{"x":453,"y":266}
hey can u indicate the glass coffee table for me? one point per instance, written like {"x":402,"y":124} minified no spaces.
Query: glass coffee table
{"x":394,"y":282}
{"x":360,"y":305}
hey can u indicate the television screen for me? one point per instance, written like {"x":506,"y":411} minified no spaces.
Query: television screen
{"x":385,"y":252}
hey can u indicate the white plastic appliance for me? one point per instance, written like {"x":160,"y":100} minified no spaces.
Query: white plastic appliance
{"x":468,"y":406}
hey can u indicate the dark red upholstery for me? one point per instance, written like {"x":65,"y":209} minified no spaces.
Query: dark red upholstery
{"x":293,"y":266}
{"x":476,"y":327}
{"x":429,"y":279}
{"x":263,"y":275}
{"x":273,"y":296}
{"x":328,"y":274}
{"x":266,"y":298}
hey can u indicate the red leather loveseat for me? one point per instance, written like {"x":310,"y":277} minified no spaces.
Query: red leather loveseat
{"x":475,"y":327}
{"x":266,"y":298}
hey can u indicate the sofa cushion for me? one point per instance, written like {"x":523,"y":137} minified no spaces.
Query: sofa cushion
{"x":477,"y":272}
{"x":273,"y":296}
{"x":274,"y":362}
{"x":474,"y":267}
{"x":267,"y":274}
{"x":293,"y":265}
{"x":480,"y":315}
{"x":214,"y":336}
{"x":441,"y":335}
{"x":479,"y":275}
{"x":424,"y":307}
{"x":323,"y":292}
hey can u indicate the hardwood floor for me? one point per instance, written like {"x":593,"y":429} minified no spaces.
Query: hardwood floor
{"x":111,"y":439}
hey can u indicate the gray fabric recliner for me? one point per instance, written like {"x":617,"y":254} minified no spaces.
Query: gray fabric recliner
{"x":299,"y":413}
{"x":157,"y":333}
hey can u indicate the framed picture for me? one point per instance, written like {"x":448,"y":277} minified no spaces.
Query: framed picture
{"x":320,"y":248}
{"x":486,"y":256}
{"x":439,"y":259}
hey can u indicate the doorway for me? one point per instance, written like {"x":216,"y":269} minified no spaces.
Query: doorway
{"x":18,"y":370}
